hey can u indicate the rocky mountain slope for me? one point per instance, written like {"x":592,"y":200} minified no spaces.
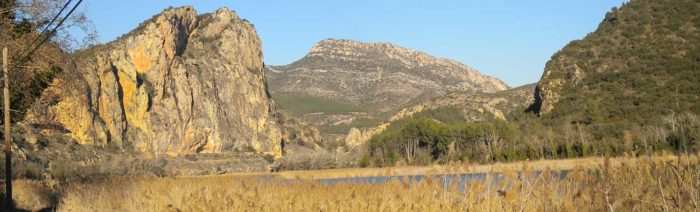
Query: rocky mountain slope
{"x":642,"y":62}
{"x":180,"y":83}
{"x":349,"y":83}
{"x":461,"y":106}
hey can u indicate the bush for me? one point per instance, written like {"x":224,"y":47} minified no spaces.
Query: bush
{"x":315,"y":160}
{"x":269,"y":158}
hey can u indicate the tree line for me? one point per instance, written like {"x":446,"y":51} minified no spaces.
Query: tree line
{"x":427,"y":140}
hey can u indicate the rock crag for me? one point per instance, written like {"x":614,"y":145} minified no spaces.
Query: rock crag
{"x":180,"y":83}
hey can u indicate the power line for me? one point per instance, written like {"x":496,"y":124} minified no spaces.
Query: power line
{"x":47,"y":36}
{"x":43,"y":32}
{"x":6,"y":97}
{"x":49,"y":25}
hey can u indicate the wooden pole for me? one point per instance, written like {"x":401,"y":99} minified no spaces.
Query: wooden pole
{"x":8,"y":134}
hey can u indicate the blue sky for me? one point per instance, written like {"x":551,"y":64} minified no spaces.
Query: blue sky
{"x":508,"y":39}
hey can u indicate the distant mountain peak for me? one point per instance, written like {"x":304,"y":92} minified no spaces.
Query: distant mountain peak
{"x":371,"y":77}
{"x":351,"y":50}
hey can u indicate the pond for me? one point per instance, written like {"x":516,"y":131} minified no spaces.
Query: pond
{"x":447,"y":180}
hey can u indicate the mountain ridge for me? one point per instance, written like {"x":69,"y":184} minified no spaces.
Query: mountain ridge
{"x":321,"y":47}
{"x":356,"y":51}
{"x":376,"y":79}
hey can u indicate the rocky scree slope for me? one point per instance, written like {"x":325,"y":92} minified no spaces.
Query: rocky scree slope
{"x":180,"y":83}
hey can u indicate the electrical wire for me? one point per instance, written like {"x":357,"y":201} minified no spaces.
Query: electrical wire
{"x":43,"y":32}
{"x":45,"y":37}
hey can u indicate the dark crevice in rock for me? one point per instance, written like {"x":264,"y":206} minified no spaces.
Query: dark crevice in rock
{"x":120,"y":97}
{"x":536,"y":105}
{"x":183,"y":37}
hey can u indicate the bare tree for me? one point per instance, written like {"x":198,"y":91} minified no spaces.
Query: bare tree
{"x":41,"y":15}
{"x":411,"y":146}
{"x":582,"y":140}
{"x":27,"y":24}
{"x":7,"y":8}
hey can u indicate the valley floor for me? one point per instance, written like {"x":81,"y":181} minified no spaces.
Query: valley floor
{"x":591,"y":184}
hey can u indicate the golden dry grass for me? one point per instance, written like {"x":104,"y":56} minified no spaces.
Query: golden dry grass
{"x":562,"y":164}
{"x":33,"y":195}
{"x":595,"y":184}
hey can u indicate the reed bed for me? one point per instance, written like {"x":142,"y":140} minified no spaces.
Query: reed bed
{"x":627,"y":184}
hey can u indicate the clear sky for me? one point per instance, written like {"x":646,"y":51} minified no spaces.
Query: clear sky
{"x":508,"y":39}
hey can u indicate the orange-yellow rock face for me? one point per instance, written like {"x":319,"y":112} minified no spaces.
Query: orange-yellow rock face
{"x":179,"y":84}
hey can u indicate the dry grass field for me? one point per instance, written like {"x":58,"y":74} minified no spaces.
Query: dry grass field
{"x":658,"y":183}
{"x":562,"y":164}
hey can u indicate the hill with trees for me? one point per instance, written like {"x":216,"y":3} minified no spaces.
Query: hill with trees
{"x":630,"y":87}
{"x":642,"y":62}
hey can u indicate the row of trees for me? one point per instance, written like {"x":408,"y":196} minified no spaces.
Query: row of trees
{"x":425,"y":141}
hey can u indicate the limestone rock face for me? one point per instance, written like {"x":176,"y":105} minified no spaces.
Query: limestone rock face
{"x":559,"y":72}
{"x":178,"y":84}
{"x":380,"y":75}
{"x":344,"y":84}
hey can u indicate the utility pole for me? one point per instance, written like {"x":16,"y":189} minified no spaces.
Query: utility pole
{"x":8,"y":135}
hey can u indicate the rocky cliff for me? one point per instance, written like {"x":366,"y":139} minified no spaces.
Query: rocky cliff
{"x":349,"y":83}
{"x":180,"y":83}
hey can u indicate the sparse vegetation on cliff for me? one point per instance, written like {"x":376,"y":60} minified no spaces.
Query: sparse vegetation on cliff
{"x":638,"y":69}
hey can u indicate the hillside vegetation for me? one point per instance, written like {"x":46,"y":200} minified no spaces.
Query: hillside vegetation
{"x":642,"y":62}
{"x":629,"y":87}
{"x":639,"y":71}
{"x":303,"y":104}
